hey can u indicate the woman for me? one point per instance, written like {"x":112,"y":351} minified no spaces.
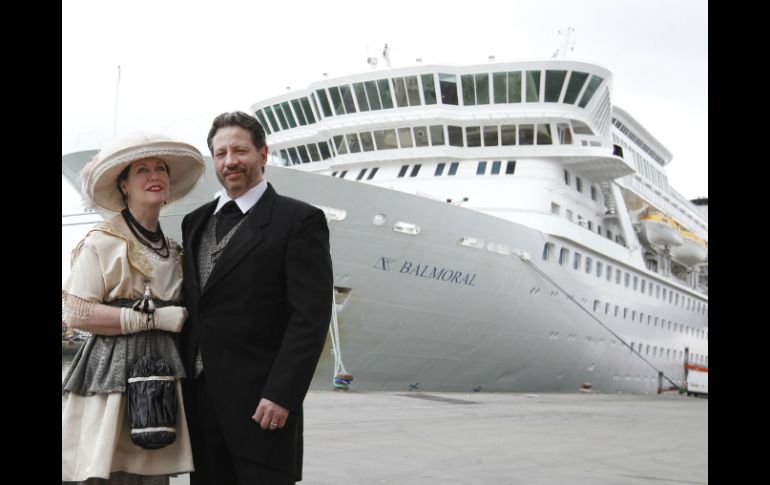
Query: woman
{"x":117,"y":264}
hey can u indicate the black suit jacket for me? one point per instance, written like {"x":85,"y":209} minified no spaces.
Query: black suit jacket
{"x":260,"y":321}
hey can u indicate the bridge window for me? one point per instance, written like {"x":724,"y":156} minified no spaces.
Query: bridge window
{"x":490,"y":136}
{"x":481,"y":168}
{"x":385,"y":139}
{"x":428,"y":88}
{"x":510,"y":167}
{"x":437,"y":135}
{"x":554,"y":80}
{"x":455,"y":136}
{"x":439,"y":169}
{"x":527,"y":135}
{"x":453,"y":168}
{"x":421,"y":136}
{"x":372,"y":95}
{"x":403,"y":170}
{"x":366,"y":141}
{"x":405,"y":137}
{"x":496,"y":168}
{"x":415,"y":170}
{"x":507,"y":87}
{"x":372,"y":173}
{"x":532,"y":87}
{"x":385,"y":97}
{"x":576,"y":81}
{"x":508,"y":135}
{"x":473,"y":135}
{"x":448,"y":85}
{"x":544,"y":134}
{"x":593,"y":85}
{"x":327,"y":110}
{"x":363,"y":103}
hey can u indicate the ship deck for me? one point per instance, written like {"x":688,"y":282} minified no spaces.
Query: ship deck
{"x":451,"y":438}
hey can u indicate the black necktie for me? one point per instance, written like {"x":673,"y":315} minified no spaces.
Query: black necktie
{"x":227,"y":218}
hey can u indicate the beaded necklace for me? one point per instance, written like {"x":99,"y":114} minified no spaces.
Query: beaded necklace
{"x":145,"y":236}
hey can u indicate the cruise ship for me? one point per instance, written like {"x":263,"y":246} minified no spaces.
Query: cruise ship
{"x":494,"y":227}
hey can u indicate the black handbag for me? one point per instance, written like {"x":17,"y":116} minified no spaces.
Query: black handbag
{"x":151,"y":390}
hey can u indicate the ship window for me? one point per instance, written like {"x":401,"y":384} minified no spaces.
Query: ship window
{"x":298,"y":111}
{"x":294,"y":157}
{"x":547,"y":251}
{"x":609,"y":234}
{"x":289,"y":116}
{"x":589,"y":265}
{"x":607,"y":308}
{"x":581,"y":128}
{"x":576,"y":261}
{"x":263,"y":121}
{"x":400,"y":87}
{"x":563,"y":256}
{"x":565,"y":134}
{"x":496,"y":168}
{"x":361,"y":174}
{"x":490,"y":136}
{"x":627,"y":279}
{"x":455,"y":136}
{"x":482,"y":88}
{"x":554,"y":80}
{"x":618,"y":276}
{"x":507,"y":87}
{"x":347,"y":97}
{"x":590,"y":226}
{"x":405,"y":137}
{"x":342,"y":175}
{"x":532,"y":86}
{"x":308,"y":110}
{"x":636,"y":282}
{"x":403,"y":170}
{"x":510,"y":167}
{"x":385,"y":139}
{"x":366,"y":141}
{"x":598,"y":269}
{"x":596,"y":305}
{"x":569,"y":215}
{"x":527,"y":135}
{"x":469,"y":90}
{"x":385,"y":97}
{"x":508,"y":135}
{"x":353,"y":144}
{"x":415,"y":170}
{"x":617,"y":310}
{"x":303,"y":155}
{"x":499,"y":87}
{"x":340,"y":145}
{"x":576,"y":81}
{"x":609,"y":273}
{"x":285,"y":158}
{"x":281,"y":118}
{"x":334,"y":174}
{"x":324,"y":147}
{"x":324,"y":102}
{"x":481,"y":168}
{"x":271,"y":117}
{"x":453,"y":168}
{"x":363,"y":104}
{"x":448,"y":85}
{"x":339,"y":108}
{"x":633,"y":315}
{"x":625,"y":313}
{"x":544,"y":134}
{"x":579,"y":184}
{"x":313,"y":150}
{"x":372,"y":95}
{"x":317,"y":112}
{"x":473,"y":135}
{"x":420,"y":136}
{"x":428,"y":88}
{"x":437,"y":135}
{"x":439,"y":169}
{"x":593,"y":85}
{"x":593,"y":193}
{"x":372,"y":173}
{"x":413,"y":90}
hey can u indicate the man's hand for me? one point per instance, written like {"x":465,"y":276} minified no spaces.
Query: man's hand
{"x":270,"y":415}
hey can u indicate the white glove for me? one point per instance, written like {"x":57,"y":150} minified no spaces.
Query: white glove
{"x":169,"y":318}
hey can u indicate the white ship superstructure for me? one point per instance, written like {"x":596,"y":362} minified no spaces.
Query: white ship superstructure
{"x":494,"y":227}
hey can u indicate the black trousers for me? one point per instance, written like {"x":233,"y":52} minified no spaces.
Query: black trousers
{"x":214,"y":464}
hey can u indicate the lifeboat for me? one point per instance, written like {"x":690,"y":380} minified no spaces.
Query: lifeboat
{"x":693,"y":250}
{"x":659,"y":230}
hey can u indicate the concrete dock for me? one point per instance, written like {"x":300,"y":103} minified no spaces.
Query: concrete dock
{"x":503,"y":438}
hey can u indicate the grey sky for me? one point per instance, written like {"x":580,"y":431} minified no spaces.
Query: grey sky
{"x":184,"y":62}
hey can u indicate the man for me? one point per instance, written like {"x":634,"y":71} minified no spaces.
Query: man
{"x":258,"y":287}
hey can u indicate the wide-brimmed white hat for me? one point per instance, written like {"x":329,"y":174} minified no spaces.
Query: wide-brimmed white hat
{"x":99,"y":176}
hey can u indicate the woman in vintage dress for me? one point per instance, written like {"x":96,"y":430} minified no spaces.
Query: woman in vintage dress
{"x":116,"y":264}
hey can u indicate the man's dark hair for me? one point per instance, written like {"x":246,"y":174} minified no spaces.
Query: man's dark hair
{"x":237,"y":118}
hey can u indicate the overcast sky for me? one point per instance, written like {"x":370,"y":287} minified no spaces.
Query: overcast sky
{"x":184,"y":62}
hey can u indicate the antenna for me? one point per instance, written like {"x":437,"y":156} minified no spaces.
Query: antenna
{"x":115,"y":117}
{"x":567,"y":42}
{"x":386,"y":54}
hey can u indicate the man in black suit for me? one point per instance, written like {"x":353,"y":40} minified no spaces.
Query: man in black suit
{"x":258,"y":287}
